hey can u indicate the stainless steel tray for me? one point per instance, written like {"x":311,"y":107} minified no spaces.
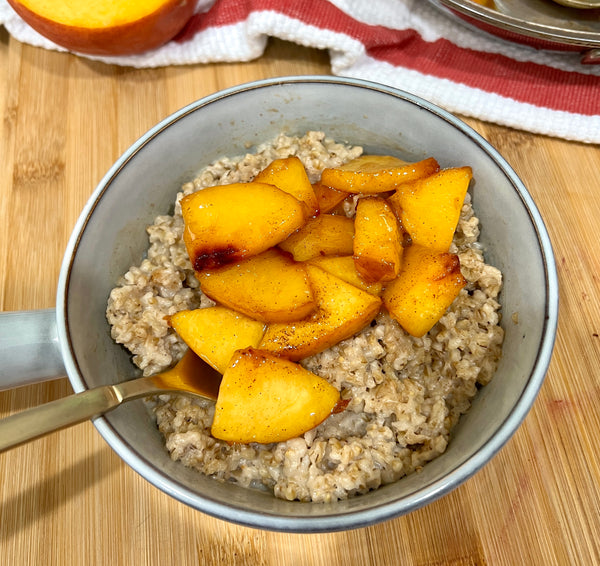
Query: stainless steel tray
{"x":541,"y":23}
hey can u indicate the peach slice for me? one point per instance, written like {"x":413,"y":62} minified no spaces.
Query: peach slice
{"x":106,"y":27}
{"x":290,"y":176}
{"x":215,"y":333}
{"x":370,"y":174}
{"x":328,"y":198}
{"x":264,"y":399}
{"x":327,"y":234}
{"x":377,"y":240}
{"x":426,"y":286}
{"x":342,"y":310}
{"x":270,"y":287}
{"x":344,"y":267}
{"x":228,"y":223}
{"x":429,"y":208}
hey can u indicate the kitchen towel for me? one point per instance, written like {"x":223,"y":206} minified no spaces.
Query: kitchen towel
{"x":408,"y":44}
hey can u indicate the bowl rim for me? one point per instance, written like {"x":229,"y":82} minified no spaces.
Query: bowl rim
{"x":547,"y":35}
{"x":340,"y":520}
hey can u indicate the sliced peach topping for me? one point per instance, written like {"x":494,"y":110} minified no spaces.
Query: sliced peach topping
{"x":377,"y":240}
{"x":270,"y":286}
{"x":429,"y":208}
{"x":342,"y":310}
{"x":264,"y":398}
{"x":427,"y":285}
{"x":369,"y":174}
{"x":327,"y":234}
{"x":290,"y":176}
{"x":215,"y":333}
{"x":226,"y":224}
{"x":288,"y":286}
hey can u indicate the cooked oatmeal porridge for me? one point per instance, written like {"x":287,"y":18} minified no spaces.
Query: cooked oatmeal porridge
{"x":406,"y":393}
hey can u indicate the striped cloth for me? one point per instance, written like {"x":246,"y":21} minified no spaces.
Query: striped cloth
{"x":408,"y":44}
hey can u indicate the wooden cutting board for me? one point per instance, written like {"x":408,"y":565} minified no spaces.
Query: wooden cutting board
{"x":68,"y":499}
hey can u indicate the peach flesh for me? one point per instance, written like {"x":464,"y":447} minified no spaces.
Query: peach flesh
{"x":117,"y":27}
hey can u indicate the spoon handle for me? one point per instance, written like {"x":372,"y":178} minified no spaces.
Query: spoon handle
{"x":62,"y":413}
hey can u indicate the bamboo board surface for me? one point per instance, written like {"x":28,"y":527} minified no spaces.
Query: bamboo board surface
{"x":68,"y":499}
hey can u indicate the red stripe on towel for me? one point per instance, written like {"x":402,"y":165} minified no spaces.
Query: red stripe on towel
{"x":524,"y":82}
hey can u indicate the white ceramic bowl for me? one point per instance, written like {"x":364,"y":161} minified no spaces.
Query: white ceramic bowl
{"x":110,"y":236}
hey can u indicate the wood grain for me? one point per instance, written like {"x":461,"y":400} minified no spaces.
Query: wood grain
{"x":68,"y":499}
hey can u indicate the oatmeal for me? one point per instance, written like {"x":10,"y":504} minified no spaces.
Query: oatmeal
{"x":406,"y":393}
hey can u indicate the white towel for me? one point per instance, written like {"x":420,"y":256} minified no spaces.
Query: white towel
{"x":408,"y":44}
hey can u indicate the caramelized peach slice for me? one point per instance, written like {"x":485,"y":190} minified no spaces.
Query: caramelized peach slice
{"x":290,"y":176}
{"x":370,"y":174}
{"x":327,"y":234}
{"x":426,"y":286}
{"x":377,"y":240}
{"x":270,"y":286}
{"x":215,"y":333}
{"x":344,"y":267}
{"x":342,"y":310}
{"x":429,"y":208}
{"x":328,"y":198}
{"x":264,"y":399}
{"x":228,"y":223}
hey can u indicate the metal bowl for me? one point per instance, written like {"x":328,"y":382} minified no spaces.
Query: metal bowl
{"x":541,"y":23}
{"x":110,"y":236}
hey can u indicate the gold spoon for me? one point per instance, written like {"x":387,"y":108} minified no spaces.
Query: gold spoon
{"x":190,"y":376}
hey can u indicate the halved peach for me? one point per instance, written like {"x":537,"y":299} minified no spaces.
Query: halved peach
{"x":270,"y":286}
{"x":289,"y":175}
{"x":327,"y":234}
{"x":342,"y":310}
{"x":429,"y":208}
{"x":106,"y":27}
{"x":344,"y":267}
{"x":228,"y":223}
{"x":264,"y":399}
{"x":377,"y":240}
{"x":370,"y":174}
{"x":215,"y":333}
{"x":426,"y":286}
